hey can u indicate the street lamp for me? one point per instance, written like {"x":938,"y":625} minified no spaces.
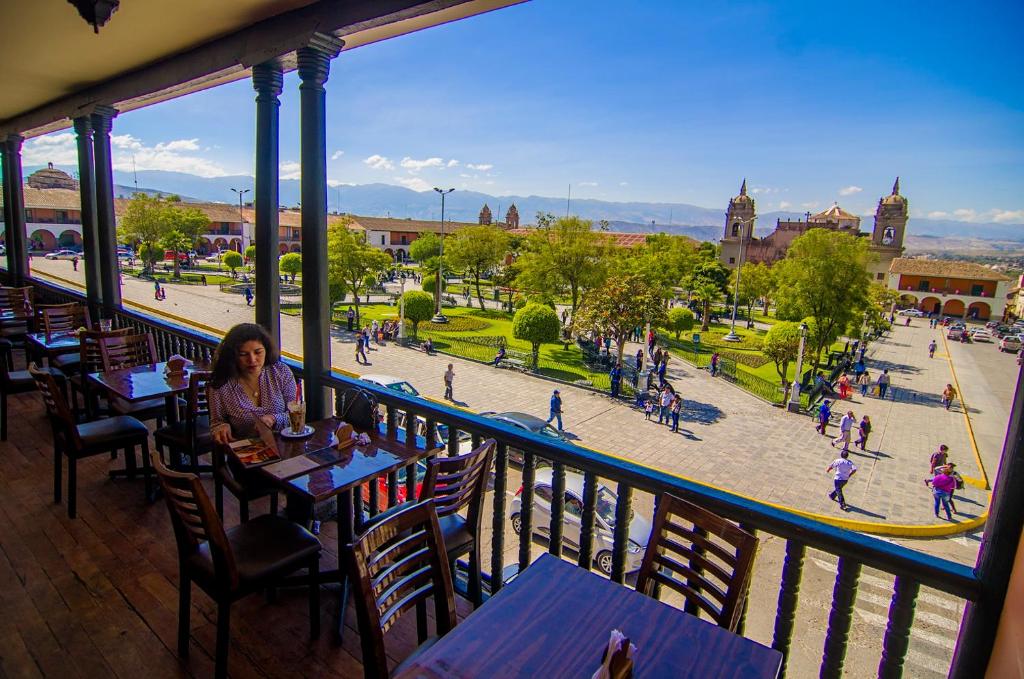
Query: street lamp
{"x":438,"y":316}
{"x":794,"y":396}
{"x":732,"y":336}
{"x":401,"y":311}
{"x":241,"y":215}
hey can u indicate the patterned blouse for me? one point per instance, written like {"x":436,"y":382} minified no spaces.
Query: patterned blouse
{"x":230,"y":404}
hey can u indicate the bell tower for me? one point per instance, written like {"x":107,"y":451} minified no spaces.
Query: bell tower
{"x":739,"y":227}
{"x":891,"y":220}
{"x":485,"y":215}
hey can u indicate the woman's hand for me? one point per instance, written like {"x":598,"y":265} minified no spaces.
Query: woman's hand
{"x":222,"y":434}
{"x":268,"y":420}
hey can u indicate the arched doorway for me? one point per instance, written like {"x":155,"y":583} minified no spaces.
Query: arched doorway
{"x":69,"y":239}
{"x":931,"y":305}
{"x":282,"y":248}
{"x":953,"y":307}
{"x":203,"y":246}
{"x":390,"y":253}
{"x":980,"y":311}
{"x":236,"y":245}
{"x":908,"y":301}
{"x":42,"y":239}
{"x":220,"y":244}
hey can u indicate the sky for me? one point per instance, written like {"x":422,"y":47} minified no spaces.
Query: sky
{"x":659,"y":100}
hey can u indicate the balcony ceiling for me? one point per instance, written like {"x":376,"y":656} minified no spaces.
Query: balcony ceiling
{"x":151,"y":50}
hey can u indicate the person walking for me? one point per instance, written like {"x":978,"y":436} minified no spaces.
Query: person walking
{"x":449,"y":379}
{"x":675,"y":408}
{"x":656,"y":356}
{"x":714,"y":364}
{"x":824,"y":415}
{"x":665,"y":402}
{"x":375,"y":331}
{"x":864,"y":380}
{"x":156,"y":290}
{"x":863,"y":430}
{"x":360,"y":349}
{"x":662,"y":368}
{"x":948,"y":394}
{"x":859,"y":368}
{"x":931,"y":349}
{"x":350,"y":316}
{"x":556,"y":409}
{"x":74,"y":263}
{"x":942,"y":485}
{"x":842,"y":471}
{"x":845,"y":430}
{"x":938,"y":458}
{"x":844,"y":386}
{"x":615,"y":376}
{"x":639,"y":360}
{"x":959,"y":480}
{"x":648,"y":408}
{"x":883,"y":383}
{"x":248,"y":296}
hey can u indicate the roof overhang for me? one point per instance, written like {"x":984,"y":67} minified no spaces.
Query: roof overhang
{"x":56,"y":68}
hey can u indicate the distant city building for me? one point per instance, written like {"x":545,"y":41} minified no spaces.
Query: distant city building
{"x":51,"y":178}
{"x":963,"y":289}
{"x":485,"y":215}
{"x":886,"y":237}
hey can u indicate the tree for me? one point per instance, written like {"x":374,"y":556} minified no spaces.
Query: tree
{"x":622,"y":303}
{"x":429,"y":284}
{"x":564,"y":255}
{"x":477,"y":249}
{"x":426,"y":247}
{"x":781,"y":345}
{"x":663,"y":260}
{"x":506,"y":278}
{"x":144,"y":223}
{"x":419,"y":307}
{"x":176,"y":242}
{"x":757,"y":283}
{"x":824,"y":276}
{"x":350,"y":259}
{"x":232,"y":260}
{"x":707,"y":292}
{"x":250,"y":254}
{"x":190,"y":221}
{"x":680,"y":320}
{"x":536,"y":324}
{"x":880,"y":302}
{"x":291,"y":264}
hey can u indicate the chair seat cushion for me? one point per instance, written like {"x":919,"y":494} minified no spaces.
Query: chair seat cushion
{"x":264,"y":547}
{"x":177,"y":434}
{"x":144,"y":410}
{"x":69,"y":363}
{"x":112,"y":432}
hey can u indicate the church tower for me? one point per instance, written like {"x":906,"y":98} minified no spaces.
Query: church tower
{"x":891,"y":220}
{"x":485,"y":215}
{"x":739,"y":224}
{"x":512,"y":217}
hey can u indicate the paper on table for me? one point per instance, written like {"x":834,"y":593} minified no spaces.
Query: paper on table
{"x":290,"y":468}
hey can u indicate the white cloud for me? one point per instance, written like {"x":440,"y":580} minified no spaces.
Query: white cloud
{"x":937,"y":214}
{"x":334,"y":182}
{"x":172,"y":156}
{"x":378,"y":162}
{"x":59,"y":149}
{"x":849,"y":190}
{"x":414,"y":183}
{"x":784,"y":204}
{"x":623,"y":183}
{"x":965,"y":214}
{"x":413,"y":165}
{"x":453,"y":163}
{"x":1007,"y":216}
{"x":290,"y":170}
{"x":179,"y":145}
{"x":337,"y":154}
{"x":763,"y":189}
{"x":465,"y":176}
{"x":588,"y":183}
{"x":809,"y":206}
{"x":483,"y":167}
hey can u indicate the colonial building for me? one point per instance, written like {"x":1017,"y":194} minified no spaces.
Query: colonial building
{"x":394,"y":236}
{"x":951,"y":288}
{"x":739,"y":244}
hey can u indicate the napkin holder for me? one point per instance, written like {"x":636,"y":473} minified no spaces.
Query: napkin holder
{"x":176,"y":365}
{"x":617,"y":660}
{"x":346,"y":436}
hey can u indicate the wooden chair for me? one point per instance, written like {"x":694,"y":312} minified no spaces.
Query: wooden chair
{"x":396,"y":565}
{"x":130,"y":351}
{"x":11,"y":382}
{"x":63,"y":319}
{"x":684,"y":554}
{"x":90,"y":361}
{"x":229,"y":565}
{"x":192,"y":435}
{"x":18,"y":303}
{"x":76,"y":441}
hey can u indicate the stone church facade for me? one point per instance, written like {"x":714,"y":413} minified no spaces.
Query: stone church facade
{"x":740,"y":246}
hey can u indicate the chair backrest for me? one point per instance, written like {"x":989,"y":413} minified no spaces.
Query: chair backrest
{"x":198,"y":402}
{"x":18,"y":301}
{"x":127,"y":351}
{"x":89,"y":348}
{"x":195,"y":521}
{"x":56,"y":406}
{"x":457,"y":482}
{"x":64,"y":318}
{"x":700,"y":555}
{"x":395,"y":565}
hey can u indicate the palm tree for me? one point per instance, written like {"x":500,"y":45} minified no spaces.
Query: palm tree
{"x":707,"y":292}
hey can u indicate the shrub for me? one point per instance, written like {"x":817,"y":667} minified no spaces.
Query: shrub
{"x":680,"y":320}
{"x":419,"y":307}
{"x":232,"y":260}
{"x":457,"y":324}
{"x":429,"y":284}
{"x":536,"y":324}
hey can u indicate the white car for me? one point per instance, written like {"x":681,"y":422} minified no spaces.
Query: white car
{"x":63,"y":254}
{"x":391,"y":382}
{"x":1010,"y":343}
{"x":981,"y":335}
{"x":917,"y":313}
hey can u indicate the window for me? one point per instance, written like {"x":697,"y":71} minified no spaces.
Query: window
{"x":976,"y":290}
{"x":880,"y":275}
{"x":732,"y":260}
{"x":404,"y":239}
{"x":573,"y":506}
{"x":924,"y":286}
{"x":543,"y":492}
{"x":382,"y":239}
{"x":736,"y":230}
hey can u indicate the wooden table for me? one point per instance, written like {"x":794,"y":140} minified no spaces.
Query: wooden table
{"x":554,"y":621}
{"x":53,"y":345}
{"x":145,"y":382}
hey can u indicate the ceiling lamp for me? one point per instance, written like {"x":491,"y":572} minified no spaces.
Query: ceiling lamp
{"x":96,"y":12}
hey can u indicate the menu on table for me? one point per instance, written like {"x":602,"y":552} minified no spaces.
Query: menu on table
{"x":257,"y":451}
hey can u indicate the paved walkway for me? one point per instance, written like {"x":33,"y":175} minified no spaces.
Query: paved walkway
{"x":728,"y":438}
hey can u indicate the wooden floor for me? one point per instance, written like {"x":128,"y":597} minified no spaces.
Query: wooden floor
{"x":97,"y":596}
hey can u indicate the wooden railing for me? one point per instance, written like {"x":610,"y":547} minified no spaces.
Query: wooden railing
{"x":910,"y":569}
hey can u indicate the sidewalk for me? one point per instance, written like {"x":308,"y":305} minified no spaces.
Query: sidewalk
{"x":727,"y":437}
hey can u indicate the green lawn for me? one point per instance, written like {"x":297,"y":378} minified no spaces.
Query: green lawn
{"x":186,"y":276}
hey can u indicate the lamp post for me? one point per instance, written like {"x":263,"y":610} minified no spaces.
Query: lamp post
{"x":241,"y":215}
{"x":732,"y":336}
{"x":438,"y":316}
{"x":794,"y":396}
{"x":401,"y":312}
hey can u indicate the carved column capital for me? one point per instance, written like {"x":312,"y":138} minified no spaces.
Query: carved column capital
{"x":267,"y":80}
{"x":314,"y":60}
{"x":103,"y":118}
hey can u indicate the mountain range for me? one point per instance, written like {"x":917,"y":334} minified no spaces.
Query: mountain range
{"x":384,"y":200}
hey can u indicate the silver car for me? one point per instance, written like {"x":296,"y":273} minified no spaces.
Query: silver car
{"x":572,"y":522}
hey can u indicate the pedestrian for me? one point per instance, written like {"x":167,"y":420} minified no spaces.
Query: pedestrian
{"x":948,"y":394}
{"x":156,"y":289}
{"x":931,"y":349}
{"x":607,"y":345}
{"x":864,"y":380}
{"x":844,"y":386}
{"x":556,"y":409}
{"x":824,"y":415}
{"x":938,"y":458}
{"x":665,"y":402}
{"x":846,"y":425}
{"x":375,"y":330}
{"x":662,"y":368}
{"x":360,"y":351}
{"x":863,"y":348}
{"x":615,"y":377}
{"x":842,"y":470}
{"x":942,"y":485}
{"x":859,"y":368}
{"x":350,"y":316}
{"x":428,"y":346}
{"x":656,"y":357}
{"x":863,"y":430}
{"x":248,"y":296}
{"x":883,"y":383}
{"x":639,"y":360}
{"x":650,"y":379}
{"x":714,"y":364}
{"x":449,"y":378}
{"x":959,"y":484}
{"x":676,"y":407}
{"x":649,"y":408}
{"x":74,"y":263}
{"x":908,"y":322}
{"x":650,"y":341}
{"x":202,"y":278}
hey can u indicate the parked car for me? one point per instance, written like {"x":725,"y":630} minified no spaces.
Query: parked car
{"x":572,"y":521}
{"x":917,"y":313}
{"x":391,"y":382}
{"x":980,"y":335}
{"x":530,"y":423}
{"x":1010,"y":343}
{"x":64,"y":254}
{"x":400,"y":490}
{"x":954,"y":333}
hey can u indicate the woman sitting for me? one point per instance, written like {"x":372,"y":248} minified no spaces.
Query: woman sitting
{"x":248,"y":382}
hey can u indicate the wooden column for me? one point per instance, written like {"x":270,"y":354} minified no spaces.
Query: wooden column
{"x":314,"y":63}
{"x":87,"y":190}
{"x":17,"y":243}
{"x":106,"y":229}
{"x":267,"y":80}
{"x":7,"y":212}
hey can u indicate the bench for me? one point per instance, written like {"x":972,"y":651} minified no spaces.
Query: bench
{"x":513,"y":363}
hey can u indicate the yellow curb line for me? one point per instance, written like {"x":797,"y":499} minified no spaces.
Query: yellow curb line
{"x":872,"y":527}
{"x":977,"y":483}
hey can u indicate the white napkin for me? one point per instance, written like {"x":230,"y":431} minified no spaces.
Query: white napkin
{"x":615,"y":640}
